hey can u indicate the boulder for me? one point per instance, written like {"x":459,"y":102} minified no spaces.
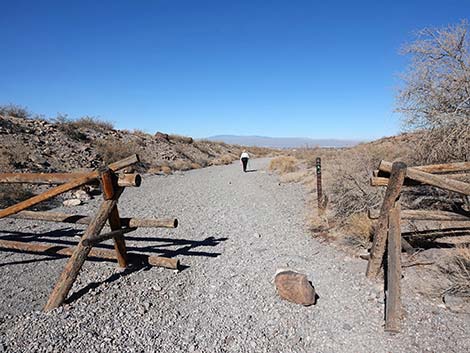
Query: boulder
{"x":295,"y":287}
{"x":81,"y":195}
{"x":161,"y":136}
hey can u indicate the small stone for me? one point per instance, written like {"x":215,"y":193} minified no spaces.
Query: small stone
{"x":81,"y":195}
{"x":295,"y":287}
{"x":257,"y":235}
{"x":347,"y":327}
{"x":72,"y":202}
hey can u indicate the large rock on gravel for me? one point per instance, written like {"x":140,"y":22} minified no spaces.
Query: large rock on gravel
{"x":295,"y":287}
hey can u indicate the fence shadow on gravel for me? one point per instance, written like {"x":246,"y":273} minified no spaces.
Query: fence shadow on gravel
{"x":164,"y":246}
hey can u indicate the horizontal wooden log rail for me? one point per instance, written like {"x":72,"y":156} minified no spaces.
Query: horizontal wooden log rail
{"x":99,"y":254}
{"x":124,"y":180}
{"x":425,"y":215}
{"x":459,"y":167}
{"x":65,"y":187}
{"x":439,"y":181}
{"x":82,"y":219}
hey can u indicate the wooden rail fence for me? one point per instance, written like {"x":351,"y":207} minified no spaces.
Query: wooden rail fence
{"x":112,"y":186}
{"x":388,"y":228}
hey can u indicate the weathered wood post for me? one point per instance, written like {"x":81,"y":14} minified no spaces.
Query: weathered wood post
{"x":393,"y":309}
{"x":395,"y":184}
{"x":319,"y":184}
{"x":110,"y":189}
{"x":75,"y":263}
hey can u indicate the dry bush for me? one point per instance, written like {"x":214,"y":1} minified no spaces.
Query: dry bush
{"x":444,"y":145}
{"x":72,"y":128}
{"x":11,"y":194}
{"x":15,"y":111}
{"x":457,"y":270}
{"x":182,"y":139}
{"x":165,"y":169}
{"x":223,"y":160}
{"x":114,"y":150}
{"x":359,"y":229}
{"x":180,"y":164}
{"x":435,"y":94}
{"x":284,"y":164}
{"x":93,"y":123}
{"x":350,"y":191}
{"x":140,"y":133}
{"x":195,"y":165}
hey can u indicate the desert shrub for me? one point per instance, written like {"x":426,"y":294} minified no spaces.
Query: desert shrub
{"x":68,"y":127}
{"x":444,"y":145}
{"x":358,"y":229}
{"x":93,"y":123}
{"x":434,"y":97}
{"x":140,"y":133}
{"x":114,"y":150}
{"x":182,"y":139}
{"x":284,"y":164}
{"x":14,"y":111}
{"x":180,"y":164}
{"x":224,"y":160}
{"x":457,"y":269}
{"x":195,"y":165}
{"x":13,"y":193}
{"x":350,"y":191}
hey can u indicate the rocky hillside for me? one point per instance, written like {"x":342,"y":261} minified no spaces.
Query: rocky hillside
{"x":64,"y":145}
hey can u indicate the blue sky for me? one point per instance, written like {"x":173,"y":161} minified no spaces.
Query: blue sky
{"x":320,"y":69}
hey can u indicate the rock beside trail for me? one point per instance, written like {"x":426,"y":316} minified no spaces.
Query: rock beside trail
{"x":295,"y":287}
{"x":72,"y":202}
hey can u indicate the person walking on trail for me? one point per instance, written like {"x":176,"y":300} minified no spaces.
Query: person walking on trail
{"x":244,"y":159}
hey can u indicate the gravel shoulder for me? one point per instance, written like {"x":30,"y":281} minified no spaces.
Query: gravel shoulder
{"x":236,"y":229}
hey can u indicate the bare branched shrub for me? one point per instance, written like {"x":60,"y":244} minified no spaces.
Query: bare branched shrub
{"x":350,"y":190}
{"x":436,"y":92}
{"x":93,"y":123}
{"x":458,"y":271}
{"x":114,"y":150}
{"x":284,"y":164}
{"x":68,"y":127}
{"x":15,"y":111}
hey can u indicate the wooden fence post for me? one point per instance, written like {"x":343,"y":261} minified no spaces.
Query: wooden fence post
{"x":393,"y":309}
{"x":110,"y":188}
{"x":75,"y":263}
{"x":395,"y":184}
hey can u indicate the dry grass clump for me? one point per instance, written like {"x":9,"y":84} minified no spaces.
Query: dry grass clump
{"x":179,"y":138}
{"x":11,"y":194}
{"x":284,"y":164}
{"x":225,"y":159}
{"x":160,"y":169}
{"x":359,"y":230}
{"x":457,"y":270}
{"x":294,"y":177}
{"x":93,"y":123}
{"x":181,"y":165}
{"x":114,"y":150}
{"x":73,"y":128}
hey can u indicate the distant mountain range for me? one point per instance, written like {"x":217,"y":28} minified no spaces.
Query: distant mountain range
{"x":282,"y":142}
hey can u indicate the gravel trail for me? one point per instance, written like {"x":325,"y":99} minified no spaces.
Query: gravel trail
{"x":236,"y":229}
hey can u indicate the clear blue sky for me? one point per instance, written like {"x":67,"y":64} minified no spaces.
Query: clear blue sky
{"x":194,"y":67}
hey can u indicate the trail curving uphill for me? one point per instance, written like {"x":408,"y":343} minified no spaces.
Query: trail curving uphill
{"x":236,"y":229}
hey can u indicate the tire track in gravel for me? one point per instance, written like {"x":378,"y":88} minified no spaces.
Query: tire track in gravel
{"x":236,"y":229}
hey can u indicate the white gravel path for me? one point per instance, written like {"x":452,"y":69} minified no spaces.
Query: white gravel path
{"x":235,"y":231}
